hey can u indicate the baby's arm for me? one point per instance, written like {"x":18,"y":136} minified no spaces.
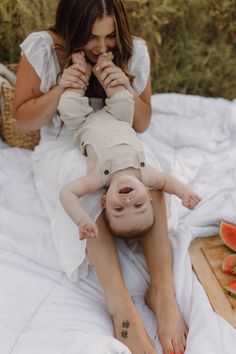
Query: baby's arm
{"x":70,"y":196}
{"x":172,"y":185}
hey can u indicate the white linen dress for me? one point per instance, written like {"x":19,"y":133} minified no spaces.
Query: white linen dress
{"x":57,"y":160}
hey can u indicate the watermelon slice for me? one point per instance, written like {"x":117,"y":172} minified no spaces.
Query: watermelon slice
{"x":229,"y":264}
{"x":230,"y":289}
{"x":228,"y":235}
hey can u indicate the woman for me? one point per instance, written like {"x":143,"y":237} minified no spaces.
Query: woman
{"x":95,"y":27}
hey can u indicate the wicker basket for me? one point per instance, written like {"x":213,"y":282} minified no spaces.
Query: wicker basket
{"x":9,"y":131}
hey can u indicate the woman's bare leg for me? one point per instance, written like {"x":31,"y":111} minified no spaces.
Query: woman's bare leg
{"x":160,"y":297}
{"x":129,"y":328}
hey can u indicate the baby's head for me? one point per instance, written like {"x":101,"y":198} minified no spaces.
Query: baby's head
{"x":128,"y":208}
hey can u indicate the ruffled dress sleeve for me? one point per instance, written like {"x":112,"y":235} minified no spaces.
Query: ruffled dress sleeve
{"x":39,"y":50}
{"x":139,"y":65}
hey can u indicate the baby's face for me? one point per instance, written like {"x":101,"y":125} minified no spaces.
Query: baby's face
{"x":128,"y":205}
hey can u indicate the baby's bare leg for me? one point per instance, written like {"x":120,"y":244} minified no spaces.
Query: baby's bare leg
{"x":110,"y":91}
{"x":171,"y":327}
{"x":129,"y":328}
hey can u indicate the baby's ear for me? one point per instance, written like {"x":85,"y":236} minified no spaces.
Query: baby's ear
{"x":104,"y":201}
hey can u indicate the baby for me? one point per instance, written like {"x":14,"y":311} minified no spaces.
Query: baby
{"x":115,"y":160}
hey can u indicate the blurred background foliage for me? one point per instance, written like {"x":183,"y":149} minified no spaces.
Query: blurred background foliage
{"x":192,"y":42}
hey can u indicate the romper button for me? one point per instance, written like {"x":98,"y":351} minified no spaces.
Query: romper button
{"x":142,"y":164}
{"x":106,"y":172}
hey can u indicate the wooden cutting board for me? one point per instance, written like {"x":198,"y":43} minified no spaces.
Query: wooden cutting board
{"x":207,"y":255}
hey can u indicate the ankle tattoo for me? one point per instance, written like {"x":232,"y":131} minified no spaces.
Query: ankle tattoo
{"x":124,"y":332}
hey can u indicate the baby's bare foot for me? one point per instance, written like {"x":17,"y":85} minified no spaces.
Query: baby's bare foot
{"x":84,"y":71}
{"x":101,"y":74}
{"x":171,"y":327}
{"x":129,"y":328}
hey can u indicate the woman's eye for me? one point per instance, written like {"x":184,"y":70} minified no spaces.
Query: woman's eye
{"x":138,"y":205}
{"x":92,"y":37}
{"x":112,"y":35}
{"x":119,"y":209}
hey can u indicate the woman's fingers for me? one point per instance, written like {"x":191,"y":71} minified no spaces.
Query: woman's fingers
{"x":110,"y":78}
{"x":105,"y":64}
{"x":110,"y":71}
{"x":71,"y":82}
{"x":72,"y":78}
{"x":111,"y":75}
{"x":78,"y":67}
{"x":76,"y":73}
{"x":117,"y":79}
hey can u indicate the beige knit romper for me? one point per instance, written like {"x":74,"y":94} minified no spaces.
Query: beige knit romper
{"x":109,"y":131}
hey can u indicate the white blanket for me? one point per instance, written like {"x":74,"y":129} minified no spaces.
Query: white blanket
{"x":41,"y":311}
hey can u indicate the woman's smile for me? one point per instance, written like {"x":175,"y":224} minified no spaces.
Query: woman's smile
{"x":102,"y":39}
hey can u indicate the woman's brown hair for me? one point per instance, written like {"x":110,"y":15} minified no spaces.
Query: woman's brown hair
{"x":75,"y":19}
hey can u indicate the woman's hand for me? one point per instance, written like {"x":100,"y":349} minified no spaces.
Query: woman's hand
{"x":74,"y":77}
{"x":112,"y":75}
{"x":85,"y":67}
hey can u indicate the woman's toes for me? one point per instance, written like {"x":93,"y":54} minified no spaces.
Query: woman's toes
{"x":167,"y":346}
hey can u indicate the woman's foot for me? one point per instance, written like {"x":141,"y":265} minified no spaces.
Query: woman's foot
{"x":101,"y":74}
{"x":171,"y":327}
{"x":129,"y":328}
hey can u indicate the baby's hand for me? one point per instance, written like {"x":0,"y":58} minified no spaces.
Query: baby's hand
{"x":87,"y":228}
{"x":190,"y":199}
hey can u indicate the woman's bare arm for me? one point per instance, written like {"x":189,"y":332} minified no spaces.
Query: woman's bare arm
{"x":33,"y":108}
{"x":142,"y":108}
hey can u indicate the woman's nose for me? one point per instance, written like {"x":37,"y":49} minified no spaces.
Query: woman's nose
{"x":102,"y":47}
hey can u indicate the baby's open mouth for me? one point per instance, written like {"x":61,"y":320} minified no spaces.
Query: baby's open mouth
{"x":125,"y":190}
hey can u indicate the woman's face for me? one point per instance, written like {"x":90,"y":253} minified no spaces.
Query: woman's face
{"x":102,"y":39}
